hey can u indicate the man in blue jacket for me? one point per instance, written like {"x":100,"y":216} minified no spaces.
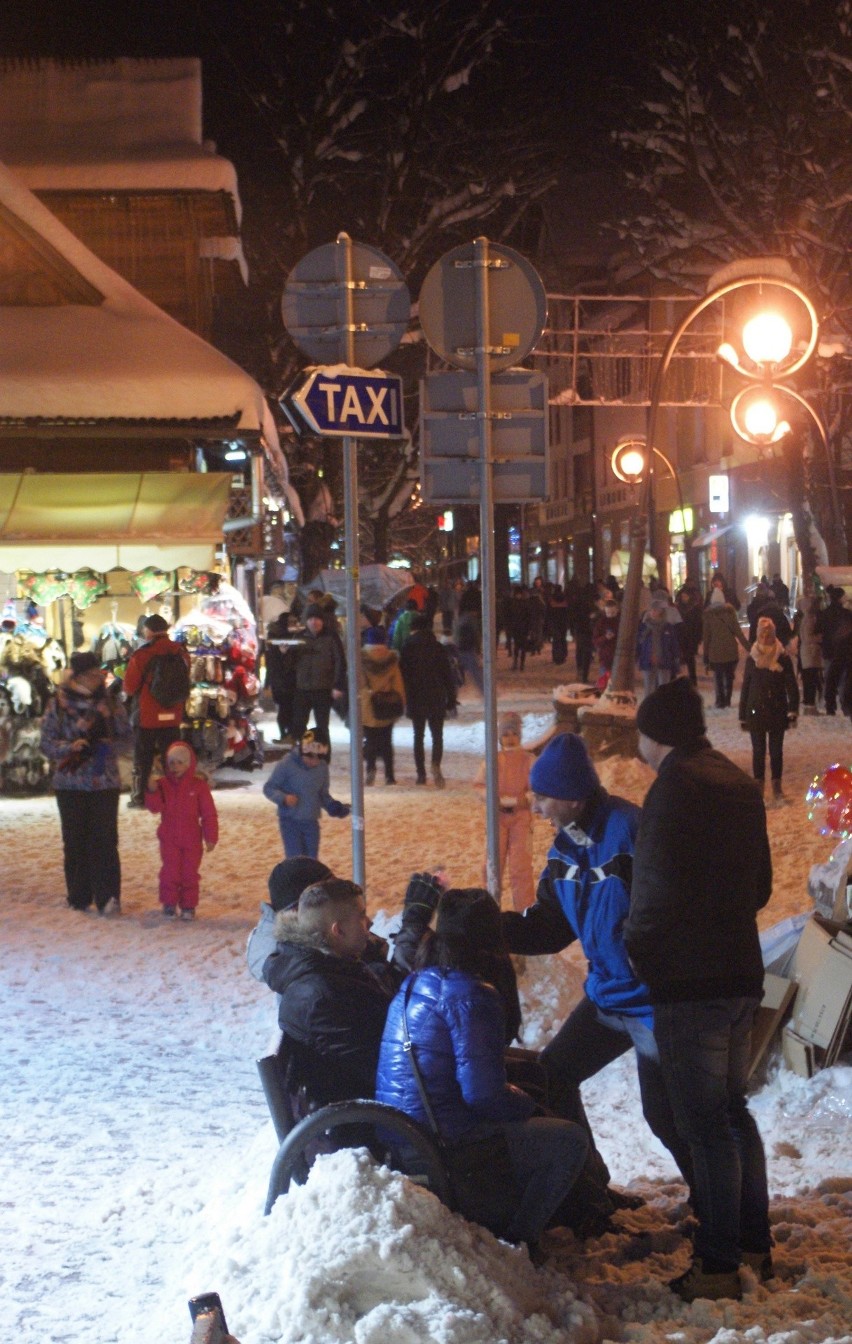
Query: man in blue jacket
{"x":584,"y":894}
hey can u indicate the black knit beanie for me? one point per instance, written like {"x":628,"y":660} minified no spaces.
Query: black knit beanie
{"x":471,"y":915}
{"x":289,"y":879}
{"x":673,"y":714}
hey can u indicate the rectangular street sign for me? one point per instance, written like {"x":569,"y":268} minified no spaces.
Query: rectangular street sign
{"x":450,"y":436}
{"x":338,"y":400}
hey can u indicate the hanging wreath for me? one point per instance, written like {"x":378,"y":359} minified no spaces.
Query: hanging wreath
{"x":85,"y":586}
{"x":150,"y":582}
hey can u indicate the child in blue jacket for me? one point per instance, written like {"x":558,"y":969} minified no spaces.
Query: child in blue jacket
{"x":299,"y":788}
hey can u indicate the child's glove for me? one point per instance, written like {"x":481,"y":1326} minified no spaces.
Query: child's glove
{"x":291,"y":799}
{"x":744,"y":726}
{"x":792,"y":720}
{"x":336,"y":809}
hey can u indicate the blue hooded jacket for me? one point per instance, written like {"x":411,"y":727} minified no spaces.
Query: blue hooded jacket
{"x":457,"y":1028}
{"x":584,"y":893}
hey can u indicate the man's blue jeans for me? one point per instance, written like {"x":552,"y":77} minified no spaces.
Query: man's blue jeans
{"x":704,"y":1055}
{"x":587,"y":1041}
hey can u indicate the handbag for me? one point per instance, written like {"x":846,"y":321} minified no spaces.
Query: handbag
{"x":386,"y":705}
{"x":479,"y":1167}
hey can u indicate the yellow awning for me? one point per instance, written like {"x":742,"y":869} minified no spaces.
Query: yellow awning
{"x":120,"y":519}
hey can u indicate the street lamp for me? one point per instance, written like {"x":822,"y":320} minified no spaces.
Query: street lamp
{"x":769,"y":360}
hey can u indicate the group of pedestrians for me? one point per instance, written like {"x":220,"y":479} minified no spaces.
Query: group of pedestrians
{"x":674,"y":974}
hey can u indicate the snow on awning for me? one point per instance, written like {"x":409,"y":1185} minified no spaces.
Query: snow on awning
{"x":707,"y":538}
{"x":123,"y":519}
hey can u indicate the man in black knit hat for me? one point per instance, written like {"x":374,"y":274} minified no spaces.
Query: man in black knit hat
{"x":701,"y":871}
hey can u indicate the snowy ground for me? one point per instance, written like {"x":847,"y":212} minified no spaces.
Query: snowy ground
{"x":135,"y":1146}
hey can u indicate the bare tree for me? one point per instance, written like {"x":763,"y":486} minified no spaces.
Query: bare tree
{"x":406,"y":125}
{"x":742,"y":149}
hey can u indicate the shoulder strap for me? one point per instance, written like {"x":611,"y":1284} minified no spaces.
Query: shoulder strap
{"x":408,"y":1047}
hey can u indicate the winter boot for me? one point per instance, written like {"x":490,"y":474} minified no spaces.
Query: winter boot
{"x":421,"y":778}
{"x":760,"y":1264}
{"x":137,"y":791}
{"x":778,"y":793}
{"x":438,"y":777}
{"x":370,"y":777}
{"x":699,"y":1282}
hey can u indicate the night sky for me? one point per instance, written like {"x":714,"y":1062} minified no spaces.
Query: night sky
{"x":582,"y":60}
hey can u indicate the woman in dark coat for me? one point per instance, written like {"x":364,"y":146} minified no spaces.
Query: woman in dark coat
{"x":769,"y":702}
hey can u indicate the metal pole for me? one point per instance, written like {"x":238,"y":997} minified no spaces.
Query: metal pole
{"x":486,"y":551}
{"x":353,"y":603}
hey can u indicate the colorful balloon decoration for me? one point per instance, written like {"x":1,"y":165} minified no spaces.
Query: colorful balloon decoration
{"x":829,"y":802}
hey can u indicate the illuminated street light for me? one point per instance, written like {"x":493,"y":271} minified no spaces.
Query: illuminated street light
{"x":767,"y":339}
{"x":769,"y":355}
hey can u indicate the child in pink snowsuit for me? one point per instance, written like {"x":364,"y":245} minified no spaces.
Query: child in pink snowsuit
{"x":188,"y":826}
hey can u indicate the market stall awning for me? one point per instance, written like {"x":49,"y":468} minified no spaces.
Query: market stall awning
{"x":121,"y":519}
{"x":707,"y":538}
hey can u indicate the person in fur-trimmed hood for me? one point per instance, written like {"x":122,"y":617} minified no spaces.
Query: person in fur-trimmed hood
{"x":382,"y":684}
{"x":188,"y":826}
{"x":769,"y":703}
{"x":333,"y":1002}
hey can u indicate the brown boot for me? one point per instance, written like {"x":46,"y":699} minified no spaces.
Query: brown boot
{"x":698,"y":1282}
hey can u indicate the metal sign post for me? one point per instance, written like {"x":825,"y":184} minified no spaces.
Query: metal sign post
{"x":353,"y":602}
{"x":486,"y":552}
{"x":482,"y":308}
{"x":347,"y":301}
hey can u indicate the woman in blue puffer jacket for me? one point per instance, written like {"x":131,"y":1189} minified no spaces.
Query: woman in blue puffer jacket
{"x":457,"y":1026}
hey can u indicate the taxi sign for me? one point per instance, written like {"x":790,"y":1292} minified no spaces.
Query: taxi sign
{"x":339,"y":400}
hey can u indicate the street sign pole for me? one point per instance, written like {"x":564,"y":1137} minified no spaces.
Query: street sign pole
{"x":486,"y":552}
{"x":353,"y":602}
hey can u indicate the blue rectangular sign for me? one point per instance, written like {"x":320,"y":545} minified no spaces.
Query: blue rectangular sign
{"x":343,"y":401}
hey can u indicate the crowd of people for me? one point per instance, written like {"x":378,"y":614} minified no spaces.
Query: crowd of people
{"x":674,"y":974}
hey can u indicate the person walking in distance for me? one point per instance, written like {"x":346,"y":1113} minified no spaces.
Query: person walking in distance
{"x":158,"y":674}
{"x":430,"y":691}
{"x":701,"y":871}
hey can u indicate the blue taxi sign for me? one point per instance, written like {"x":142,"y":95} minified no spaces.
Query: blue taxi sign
{"x":339,"y":400}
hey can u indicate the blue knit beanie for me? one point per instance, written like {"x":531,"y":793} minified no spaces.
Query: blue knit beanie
{"x":375,"y":634}
{"x":564,"y":770}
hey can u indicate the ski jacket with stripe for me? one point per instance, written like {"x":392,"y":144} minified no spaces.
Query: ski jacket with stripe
{"x":584,"y":893}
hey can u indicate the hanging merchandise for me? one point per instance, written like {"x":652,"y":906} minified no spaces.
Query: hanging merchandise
{"x":85,"y":586}
{"x":150,"y":582}
{"x":201,"y":581}
{"x":221,"y":638}
{"x":28,"y":662}
{"x":44,"y":588}
{"x":113,"y":644}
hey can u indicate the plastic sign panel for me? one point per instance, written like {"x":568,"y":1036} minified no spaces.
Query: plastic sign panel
{"x":719,"y":491}
{"x":343,"y":401}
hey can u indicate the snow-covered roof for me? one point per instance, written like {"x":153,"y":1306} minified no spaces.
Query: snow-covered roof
{"x":123,"y":358}
{"x":116,"y":125}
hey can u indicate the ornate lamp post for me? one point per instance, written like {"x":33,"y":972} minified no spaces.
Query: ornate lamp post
{"x":770,"y":362}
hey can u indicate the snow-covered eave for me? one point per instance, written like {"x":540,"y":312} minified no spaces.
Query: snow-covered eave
{"x":162,"y":168}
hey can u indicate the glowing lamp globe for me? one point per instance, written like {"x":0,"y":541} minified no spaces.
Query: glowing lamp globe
{"x":760,"y":418}
{"x":767,"y":338}
{"x":829,"y":802}
{"x":632,"y":463}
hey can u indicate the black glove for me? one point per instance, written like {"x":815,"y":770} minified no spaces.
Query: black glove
{"x":744,"y":726}
{"x":423,"y":890}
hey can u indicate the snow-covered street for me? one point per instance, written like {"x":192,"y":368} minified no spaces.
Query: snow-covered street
{"x":135,"y":1145}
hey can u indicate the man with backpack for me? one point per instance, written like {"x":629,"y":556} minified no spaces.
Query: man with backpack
{"x":158,"y":675}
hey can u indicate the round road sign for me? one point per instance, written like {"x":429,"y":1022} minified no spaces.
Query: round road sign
{"x":314,"y":305}
{"x":517,"y":306}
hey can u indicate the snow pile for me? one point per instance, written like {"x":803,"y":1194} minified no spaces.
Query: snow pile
{"x":136,"y":1147}
{"x":372,"y":1259}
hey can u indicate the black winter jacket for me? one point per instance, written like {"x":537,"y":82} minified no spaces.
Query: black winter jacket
{"x":701,"y":871}
{"x":333,"y":1007}
{"x":768,"y":697}
{"x":430,"y":687}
